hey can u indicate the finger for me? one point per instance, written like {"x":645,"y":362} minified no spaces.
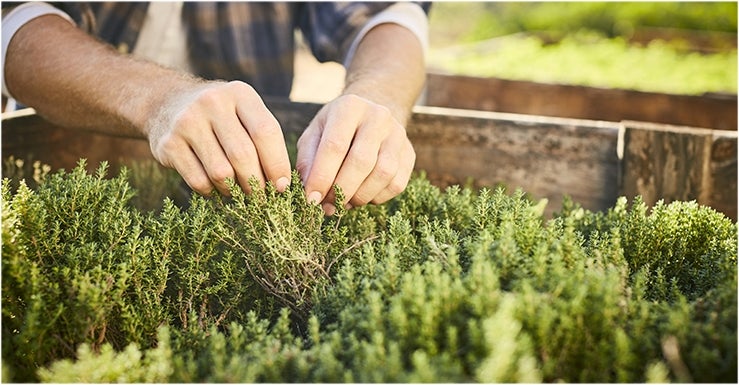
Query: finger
{"x":198,"y":135}
{"x":307,"y":147}
{"x":198,"y":125}
{"x":192,"y":171}
{"x":382,"y":174}
{"x":363,"y":156}
{"x":400,"y":182}
{"x":266,"y":135}
{"x":336,"y":139}
{"x":208,"y":150}
{"x":239,"y":149}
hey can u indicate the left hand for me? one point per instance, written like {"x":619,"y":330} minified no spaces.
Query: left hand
{"x":358,"y":145}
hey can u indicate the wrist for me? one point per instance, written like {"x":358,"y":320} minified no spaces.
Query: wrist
{"x":371,"y":93}
{"x":167,"y":93}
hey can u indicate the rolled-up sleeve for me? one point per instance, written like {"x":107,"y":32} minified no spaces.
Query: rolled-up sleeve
{"x":334,"y":29}
{"x":15,"y":18}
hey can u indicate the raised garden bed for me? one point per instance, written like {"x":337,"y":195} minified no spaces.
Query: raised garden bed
{"x":715,"y":111}
{"x":593,"y":162}
{"x":454,"y":285}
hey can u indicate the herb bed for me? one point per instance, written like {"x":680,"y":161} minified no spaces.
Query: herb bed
{"x":593,"y":162}
{"x":105,"y":281}
{"x":449,"y":286}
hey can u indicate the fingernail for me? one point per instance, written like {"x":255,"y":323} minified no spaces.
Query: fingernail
{"x":329,"y":209}
{"x":314,"y":197}
{"x":348,"y":206}
{"x":282,"y":184}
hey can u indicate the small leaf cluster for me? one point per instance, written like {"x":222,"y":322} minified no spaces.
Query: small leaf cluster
{"x":282,"y":240}
{"x":76,"y":267}
{"x":433,"y":286}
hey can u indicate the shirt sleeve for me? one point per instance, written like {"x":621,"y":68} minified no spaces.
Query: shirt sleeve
{"x":408,"y":15}
{"x":334,"y":29}
{"x":14,"y":19}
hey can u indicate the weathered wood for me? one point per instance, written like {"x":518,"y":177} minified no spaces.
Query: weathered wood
{"x":26,"y":135}
{"x":293,"y":117}
{"x":662,"y":162}
{"x":546,"y":157}
{"x":723,"y":170}
{"x":717,"y":111}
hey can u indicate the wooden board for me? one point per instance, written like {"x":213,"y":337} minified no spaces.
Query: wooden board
{"x":594,"y":162}
{"x":716,"y":111}
{"x":27,"y":136}
{"x":546,"y":157}
{"x":680,"y":163}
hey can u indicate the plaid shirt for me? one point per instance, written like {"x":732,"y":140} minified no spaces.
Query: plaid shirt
{"x":249,"y":41}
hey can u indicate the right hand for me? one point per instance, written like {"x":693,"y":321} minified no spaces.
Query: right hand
{"x":216,"y":131}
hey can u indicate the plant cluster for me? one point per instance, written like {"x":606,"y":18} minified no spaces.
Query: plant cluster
{"x":433,"y":286}
{"x":607,"y":18}
{"x":601,"y":62}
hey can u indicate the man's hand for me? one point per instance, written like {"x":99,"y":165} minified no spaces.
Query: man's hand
{"x":216,"y":131}
{"x":358,"y":145}
{"x":207,"y":131}
{"x":358,"y":141}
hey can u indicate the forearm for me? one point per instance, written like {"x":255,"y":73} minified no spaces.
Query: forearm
{"x":74,"y":80}
{"x":388,"y":68}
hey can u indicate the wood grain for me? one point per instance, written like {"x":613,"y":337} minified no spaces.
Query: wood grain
{"x":716,"y":111}
{"x":594,"y":162}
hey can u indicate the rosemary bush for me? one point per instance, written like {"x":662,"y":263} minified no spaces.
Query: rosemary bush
{"x":433,"y":286}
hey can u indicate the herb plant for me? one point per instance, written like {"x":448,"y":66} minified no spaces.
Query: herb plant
{"x":433,"y":286}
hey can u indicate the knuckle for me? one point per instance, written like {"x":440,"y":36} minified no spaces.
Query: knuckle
{"x":200,"y":184}
{"x":335,"y":146}
{"x":165,"y":146}
{"x":411,"y":154}
{"x":386,"y":168}
{"x":241,"y":87}
{"x":321,"y":179}
{"x":265,"y":129}
{"x":381,"y":112}
{"x":210,"y":98}
{"x":361,"y":162}
{"x":220,"y":173}
{"x":186,"y":118}
{"x":359,"y":199}
{"x":241,"y":155}
{"x":396,"y":187}
{"x":352,"y":99}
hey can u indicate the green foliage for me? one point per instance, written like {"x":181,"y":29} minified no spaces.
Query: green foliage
{"x":282,"y":241}
{"x":76,"y":267}
{"x":434,"y":286}
{"x":600,"y":62}
{"x":608,"y":18}
{"x":152,"y":182}
{"x":612,"y":44}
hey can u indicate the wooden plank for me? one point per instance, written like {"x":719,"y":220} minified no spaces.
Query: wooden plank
{"x":293,"y":117}
{"x":717,"y":111}
{"x":723,"y":169}
{"x":679,"y":163}
{"x":546,"y":157}
{"x":27,"y":136}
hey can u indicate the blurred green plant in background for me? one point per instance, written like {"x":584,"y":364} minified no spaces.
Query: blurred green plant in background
{"x":671,"y":47}
{"x":608,"y":18}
